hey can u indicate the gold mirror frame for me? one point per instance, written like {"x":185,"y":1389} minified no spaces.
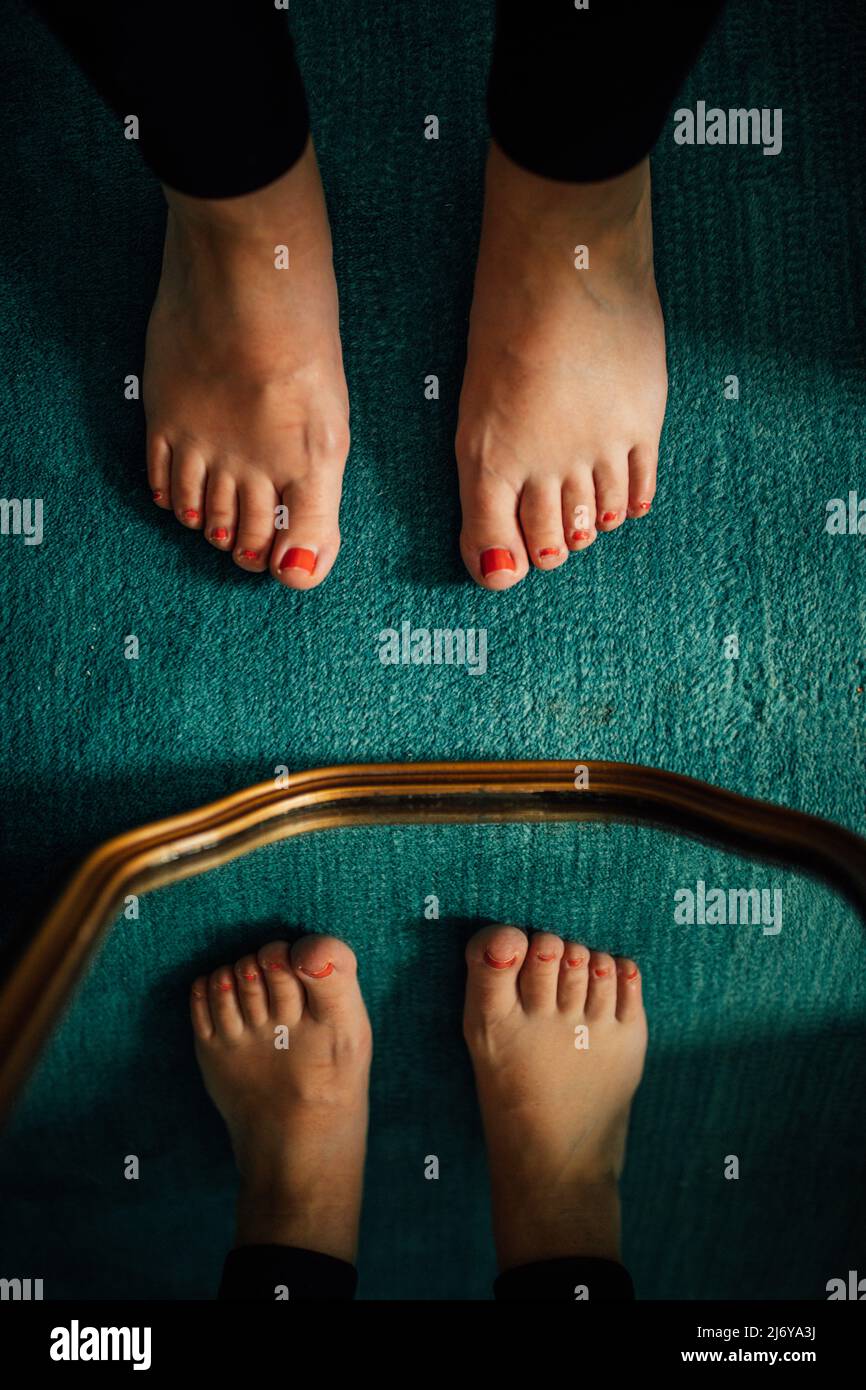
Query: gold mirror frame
{"x":167,"y":851}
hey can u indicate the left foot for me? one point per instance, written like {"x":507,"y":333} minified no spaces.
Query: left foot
{"x":565,"y":386}
{"x":297,"y":1115}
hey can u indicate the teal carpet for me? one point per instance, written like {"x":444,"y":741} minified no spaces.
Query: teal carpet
{"x":757,"y":1042}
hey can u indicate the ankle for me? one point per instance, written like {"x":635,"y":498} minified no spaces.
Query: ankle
{"x":582,"y":1222}
{"x":281,"y":1217}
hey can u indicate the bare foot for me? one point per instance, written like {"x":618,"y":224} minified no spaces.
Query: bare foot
{"x":297,"y":1115}
{"x":555,"y":1111}
{"x":565,"y":387}
{"x":244,"y":391}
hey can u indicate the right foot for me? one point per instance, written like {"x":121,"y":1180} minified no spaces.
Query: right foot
{"x":555,"y":1114}
{"x":297,"y":1115}
{"x":244,"y":391}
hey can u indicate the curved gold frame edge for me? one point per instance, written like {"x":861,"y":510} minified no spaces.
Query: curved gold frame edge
{"x":165,"y":851}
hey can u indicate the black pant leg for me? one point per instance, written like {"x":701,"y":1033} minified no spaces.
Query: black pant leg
{"x":267,"y":1273}
{"x":570,"y":1280}
{"x":581,"y":95}
{"x":215,"y":87}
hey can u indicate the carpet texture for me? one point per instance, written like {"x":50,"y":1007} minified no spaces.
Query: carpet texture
{"x":757,"y":1041}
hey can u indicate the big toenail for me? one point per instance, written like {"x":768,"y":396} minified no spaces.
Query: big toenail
{"x":599,"y":973}
{"x":297,"y":558}
{"x":608,"y":516}
{"x":191,"y":514}
{"x":541,"y":957}
{"x":499,"y":964}
{"x":492,"y":561}
{"x":249,"y":554}
{"x":319,"y":974}
{"x":578,"y":960}
{"x":219,"y":533}
{"x":580,"y":535}
{"x":552,"y":550}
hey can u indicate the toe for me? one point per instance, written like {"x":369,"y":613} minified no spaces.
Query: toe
{"x":578,"y":511}
{"x":252,"y":991}
{"x":628,"y":990}
{"x":188,"y":484}
{"x":540,"y":972}
{"x":221,"y":510}
{"x":541,"y":521}
{"x":285,"y":996}
{"x":159,"y":469}
{"x":491,"y":543}
{"x":199,"y":1009}
{"x":573,"y":977}
{"x":304,"y":552}
{"x":257,"y":501}
{"x":328,"y":972}
{"x":601,"y":989}
{"x":224,"y":1004}
{"x":642,"y":468}
{"x":611,"y":494}
{"x":494,"y":957}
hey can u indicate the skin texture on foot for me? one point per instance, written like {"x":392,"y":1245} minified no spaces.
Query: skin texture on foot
{"x":296,"y":1115}
{"x":555,"y":1109}
{"x":565,"y":387}
{"x":244,"y":392}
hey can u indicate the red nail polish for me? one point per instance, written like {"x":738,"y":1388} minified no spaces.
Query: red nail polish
{"x":609,"y":516}
{"x":599,"y":973}
{"x":499,"y":964}
{"x":643,"y":506}
{"x":274,"y":965}
{"x":191,"y":514}
{"x":580,"y":535}
{"x":249,"y":554}
{"x":578,"y":960}
{"x":319,"y":974}
{"x":494,"y":560}
{"x":157,"y":496}
{"x":219,"y":533}
{"x":297,"y":558}
{"x":632,"y":976}
{"x":225,"y":986}
{"x":545,"y":958}
{"x":252,"y":976}
{"x":554,"y":550}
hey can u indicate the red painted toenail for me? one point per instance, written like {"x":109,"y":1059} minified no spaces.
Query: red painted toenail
{"x":578,"y":960}
{"x":632,"y":976}
{"x":541,"y":957}
{"x":297,"y":558}
{"x":492,"y":561}
{"x":157,"y":496}
{"x":226,"y":985}
{"x":319,"y":974}
{"x":600,"y":973}
{"x":191,"y":514}
{"x":499,"y":964}
{"x":219,"y":533}
{"x":251,"y":976}
{"x":644,"y":506}
{"x":580,"y":535}
{"x":274,"y":965}
{"x":249,"y":554}
{"x":551,"y":550}
{"x":609,"y":516}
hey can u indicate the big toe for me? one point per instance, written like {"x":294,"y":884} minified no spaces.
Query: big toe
{"x":491,"y":542}
{"x":306,"y":548}
{"x":494,"y":957}
{"x":328,"y":972}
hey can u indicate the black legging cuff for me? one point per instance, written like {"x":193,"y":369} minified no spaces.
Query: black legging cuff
{"x":268,"y":1273}
{"x":573,"y":1279}
{"x":583,"y":95}
{"x":219,"y":100}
